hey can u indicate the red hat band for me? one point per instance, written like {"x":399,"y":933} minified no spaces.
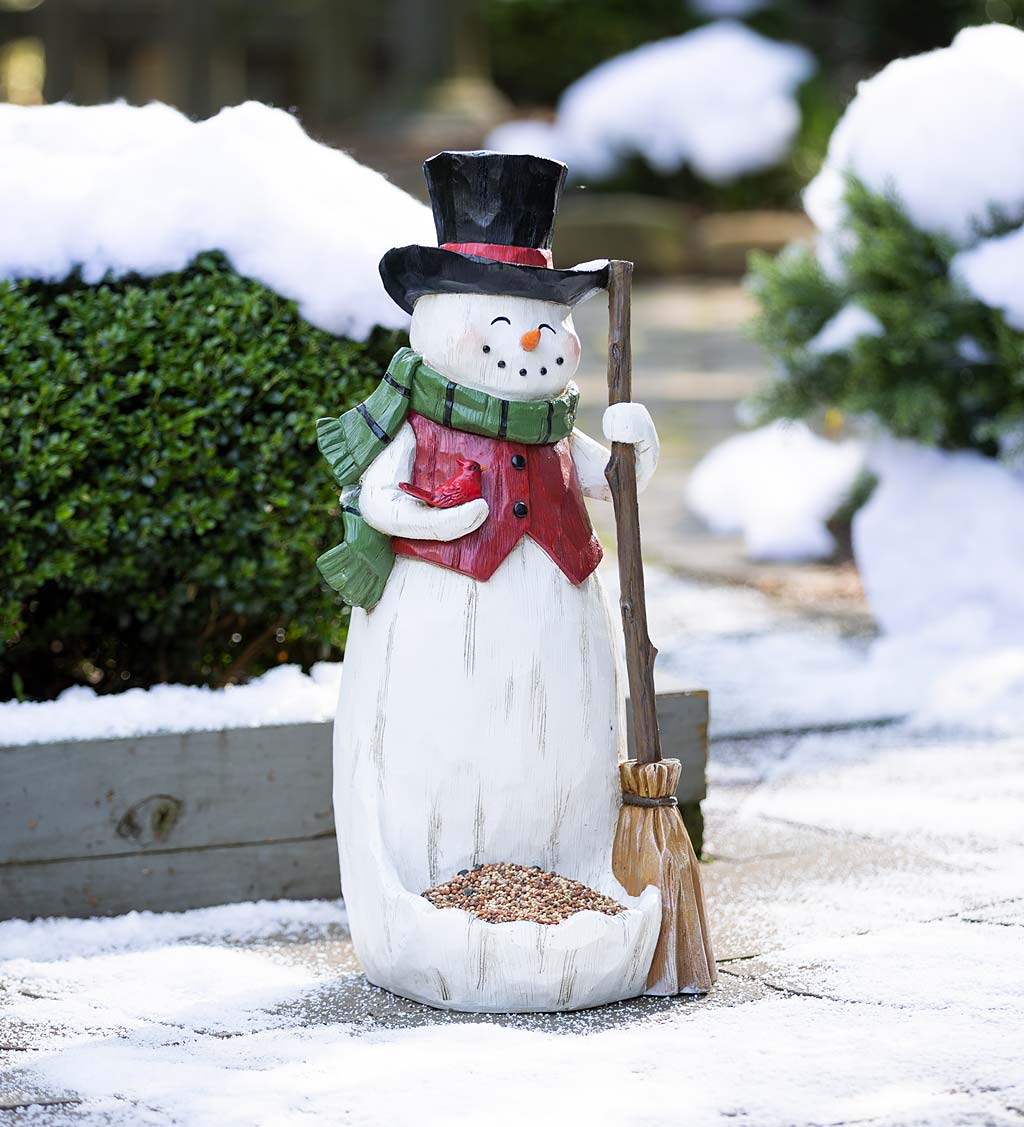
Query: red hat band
{"x":520,"y":256}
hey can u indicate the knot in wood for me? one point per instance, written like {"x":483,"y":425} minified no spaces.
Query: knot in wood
{"x":150,"y":820}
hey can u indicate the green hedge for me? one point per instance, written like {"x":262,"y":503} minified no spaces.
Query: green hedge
{"x":163,"y":500}
{"x":946,"y":369}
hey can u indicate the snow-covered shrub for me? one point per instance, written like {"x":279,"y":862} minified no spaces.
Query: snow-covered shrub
{"x":909,"y":311}
{"x":162,"y":504}
{"x":169,"y":295}
{"x":716,"y":104}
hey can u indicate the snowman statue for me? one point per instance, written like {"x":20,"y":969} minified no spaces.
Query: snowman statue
{"x":481,"y":711}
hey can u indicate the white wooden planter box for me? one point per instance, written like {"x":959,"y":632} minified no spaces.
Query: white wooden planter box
{"x":168,"y":822}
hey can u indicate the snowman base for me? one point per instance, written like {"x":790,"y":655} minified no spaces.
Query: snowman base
{"x":450,"y":959}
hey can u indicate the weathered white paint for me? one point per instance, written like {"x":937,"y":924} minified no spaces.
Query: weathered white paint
{"x":484,"y":721}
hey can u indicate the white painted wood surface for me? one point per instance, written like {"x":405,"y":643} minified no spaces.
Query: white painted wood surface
{"x":484,"y":721}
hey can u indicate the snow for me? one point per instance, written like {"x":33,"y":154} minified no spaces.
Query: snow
{"x":988,"y":980}
{"x":948,"y":593}
{"x":993,"y":271}
{"x":720,"y":98}
{"x":981,"y":692}
{"x":55,"y":939}
{"x":123,"y":189}
{"x":763,"y":1064}
{"x":941,"y":541}
{"x":284,"y":695}
{"x":935,"y":129}
{"x":843,"y":330}
{"x":777,"y":485}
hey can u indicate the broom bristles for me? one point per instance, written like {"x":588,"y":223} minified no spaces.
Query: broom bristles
{"x":652,"y":847}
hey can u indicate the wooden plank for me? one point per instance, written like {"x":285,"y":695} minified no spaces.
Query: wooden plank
{"x":169,"y":822}
{"x":172,"y":881}
{"x":683,"y":720}
{"x":125,"y":796}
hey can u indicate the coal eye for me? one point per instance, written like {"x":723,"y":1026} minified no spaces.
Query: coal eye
{"x":560,"y":360}
{"x":487,"y":348}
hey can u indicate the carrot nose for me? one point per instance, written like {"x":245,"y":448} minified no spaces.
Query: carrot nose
{"x":530,"y":340}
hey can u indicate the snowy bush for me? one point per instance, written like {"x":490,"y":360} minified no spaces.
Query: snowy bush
{"x":718,"y":101}
{"x":910,"y":309}
{"x":166,"y":324}
{"x":121,"y":189}
{"x":162,"y":504}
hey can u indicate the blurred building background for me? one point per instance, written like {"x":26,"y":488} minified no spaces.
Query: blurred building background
{"x":395,"y":79}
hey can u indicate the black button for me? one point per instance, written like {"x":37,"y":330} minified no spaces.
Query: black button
{"x":520,"y":509}
{"x":518,"y":462}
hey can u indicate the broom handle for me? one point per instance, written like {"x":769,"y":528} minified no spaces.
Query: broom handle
{"x":621,"y":475}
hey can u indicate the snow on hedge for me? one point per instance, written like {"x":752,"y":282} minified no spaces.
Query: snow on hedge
{"x":777,"y":485}
{"x":942,"y":131}
{"x":720,"y":99}
{"x":130,"y":189}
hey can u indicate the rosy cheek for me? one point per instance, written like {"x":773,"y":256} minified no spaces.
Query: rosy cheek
{"x":572,"y":350}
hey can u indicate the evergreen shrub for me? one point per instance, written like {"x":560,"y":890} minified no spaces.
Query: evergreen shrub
{"x":946,"y":370}
{"x":163,"y":500}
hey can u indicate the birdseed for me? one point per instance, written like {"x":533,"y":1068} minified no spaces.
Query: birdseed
{"x":504,"y":892}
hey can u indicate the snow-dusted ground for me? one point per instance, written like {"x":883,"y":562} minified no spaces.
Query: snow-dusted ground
{"x":868,"y":915}
{"x":720,"y":99}
{"x":126,"y":189}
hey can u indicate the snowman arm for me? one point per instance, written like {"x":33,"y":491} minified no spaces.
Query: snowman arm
{"x":590,"y":459}
{"x":386,"y":508}
{"x":623,"y":422}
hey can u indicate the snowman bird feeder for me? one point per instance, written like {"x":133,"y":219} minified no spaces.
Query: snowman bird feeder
{"x":480,"y":722}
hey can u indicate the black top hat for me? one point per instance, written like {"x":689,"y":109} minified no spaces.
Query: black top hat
{"x":494,"y":214}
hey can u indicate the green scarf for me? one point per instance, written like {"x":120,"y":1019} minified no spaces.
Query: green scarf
{"x":359,"y":567}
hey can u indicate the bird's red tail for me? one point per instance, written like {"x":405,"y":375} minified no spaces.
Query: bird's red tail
{"x":415,"y":491}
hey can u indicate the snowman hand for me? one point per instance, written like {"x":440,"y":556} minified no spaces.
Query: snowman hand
{"x":395,"y":513}
{"x":632,"y":422}
{"x":460,"y":520}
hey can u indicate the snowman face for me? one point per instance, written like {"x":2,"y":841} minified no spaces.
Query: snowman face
{"x":512,"y":347}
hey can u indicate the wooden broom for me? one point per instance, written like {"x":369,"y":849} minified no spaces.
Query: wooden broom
{"x":651,"y":843}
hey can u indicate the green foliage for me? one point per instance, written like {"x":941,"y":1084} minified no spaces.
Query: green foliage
{"x":539,"y":47}
{"x":914,"y":377}
{"x":163,"y":500}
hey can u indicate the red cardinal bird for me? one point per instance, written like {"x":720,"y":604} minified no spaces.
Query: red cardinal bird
{"x":457,"y":490}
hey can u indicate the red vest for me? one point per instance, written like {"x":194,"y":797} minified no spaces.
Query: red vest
{"x":530,"y":490}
